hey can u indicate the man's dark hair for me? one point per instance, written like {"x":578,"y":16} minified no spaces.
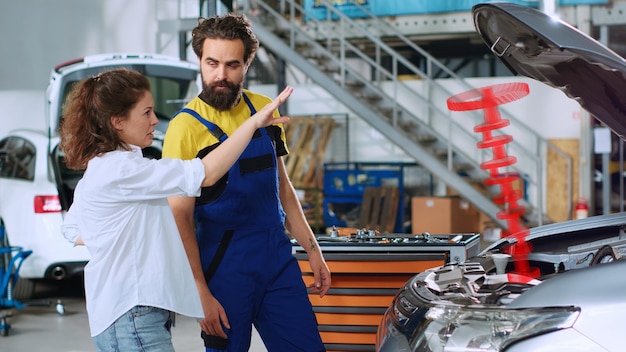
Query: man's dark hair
{"x":228,"y":27}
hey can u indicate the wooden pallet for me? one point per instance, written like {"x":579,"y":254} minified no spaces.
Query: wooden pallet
{"x":313,"y":208}
{"x":307,"y":139}
{"x":379,"y":208}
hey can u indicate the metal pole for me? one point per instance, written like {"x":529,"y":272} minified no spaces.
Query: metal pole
{"x":549,"y":7}
{"x":281,"y":81}
{"x":182,"y":45}
{"x":211,"y":7}
{"x":606,"y":160}
{"x":621,"y":175}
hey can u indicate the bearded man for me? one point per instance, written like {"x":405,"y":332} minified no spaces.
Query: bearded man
{"x":234,"y":233}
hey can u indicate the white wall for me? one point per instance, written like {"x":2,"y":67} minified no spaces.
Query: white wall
{"x":36,"y":35}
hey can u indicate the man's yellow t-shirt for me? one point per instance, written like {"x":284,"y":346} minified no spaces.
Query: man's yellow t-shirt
{"x":186,"y":136}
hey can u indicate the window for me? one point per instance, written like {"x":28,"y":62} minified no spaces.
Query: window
{"x":170,"y":95}
{"x":172,"y":87}
{"x":17,"y":159}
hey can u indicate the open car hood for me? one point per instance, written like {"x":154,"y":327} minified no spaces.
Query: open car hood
{"x":535,"y":45}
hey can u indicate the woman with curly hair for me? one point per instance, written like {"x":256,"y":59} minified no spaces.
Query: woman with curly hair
{"x":138,"y":274}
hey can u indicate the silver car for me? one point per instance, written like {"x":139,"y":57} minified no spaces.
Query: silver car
{"x":576,"y":299}
{"x":577,"y":303}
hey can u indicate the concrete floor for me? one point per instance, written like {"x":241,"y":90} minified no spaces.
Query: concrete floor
{"x":40,"y":327}
{"x":36,"y":328}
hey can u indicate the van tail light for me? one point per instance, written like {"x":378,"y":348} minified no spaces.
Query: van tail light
{"x":47,"y":204}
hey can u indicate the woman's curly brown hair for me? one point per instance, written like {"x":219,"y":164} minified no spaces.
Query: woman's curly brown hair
{"x":86,"y":129}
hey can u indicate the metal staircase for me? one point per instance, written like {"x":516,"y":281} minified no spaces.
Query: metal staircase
{"x":436,"y":138}
{"x":353,"y":72}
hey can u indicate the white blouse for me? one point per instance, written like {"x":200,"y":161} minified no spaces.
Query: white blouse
{"x":120,"y":210}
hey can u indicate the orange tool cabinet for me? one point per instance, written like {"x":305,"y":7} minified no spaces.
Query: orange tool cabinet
{"x":366,"y":274}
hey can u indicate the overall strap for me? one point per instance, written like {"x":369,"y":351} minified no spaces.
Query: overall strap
{"x":213,"y":128}
{"x":252,"y":110}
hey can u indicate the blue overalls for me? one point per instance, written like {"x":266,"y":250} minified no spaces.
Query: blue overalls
{"x":256,"y":279}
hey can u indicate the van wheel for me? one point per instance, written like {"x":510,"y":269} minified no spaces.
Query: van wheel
{"x":24,"y":289}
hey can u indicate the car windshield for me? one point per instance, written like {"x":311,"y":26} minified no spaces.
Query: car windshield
{"x":171,"y":87}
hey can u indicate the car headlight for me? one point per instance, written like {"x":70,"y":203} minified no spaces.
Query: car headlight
{"x":449,"y":328}
{"x":431,"y":325}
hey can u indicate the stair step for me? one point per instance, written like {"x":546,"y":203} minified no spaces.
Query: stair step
{"x":426,"y":138}
{"x":368,"y":96}
{"x":463,"y":167}
{"x":302,"y":46}
{"x":281,"y":32}
{"x":408,"y":125}
{"x":386,"y":111}
{"x":317,"y":57}
{"x":441,"y":152}
{"x":354,"y":84}
{"x":350,"y":83}
{"x":330,"y":69}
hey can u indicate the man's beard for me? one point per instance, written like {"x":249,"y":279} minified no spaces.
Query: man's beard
{"x":221,"y":99}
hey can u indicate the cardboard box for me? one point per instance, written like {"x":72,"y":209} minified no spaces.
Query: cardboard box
{"x":484,"y":221}
{"x":443,"y":215}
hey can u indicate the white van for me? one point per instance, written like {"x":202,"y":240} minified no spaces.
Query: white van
{"x":36,"y":189}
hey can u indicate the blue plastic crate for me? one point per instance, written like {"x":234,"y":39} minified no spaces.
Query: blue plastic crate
{"x":352,"y":182}
{"x":345,"y":183}
{"x":315,"y":9}
{"x":583,"y":2}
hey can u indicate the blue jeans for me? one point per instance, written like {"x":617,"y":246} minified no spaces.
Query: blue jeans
{"x":141,"y":329}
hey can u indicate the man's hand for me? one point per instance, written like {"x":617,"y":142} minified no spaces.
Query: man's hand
{"x":214,"y":317}
{"x":321,"y":273}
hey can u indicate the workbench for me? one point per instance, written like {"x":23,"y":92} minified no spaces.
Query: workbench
{"x":367,"y":271}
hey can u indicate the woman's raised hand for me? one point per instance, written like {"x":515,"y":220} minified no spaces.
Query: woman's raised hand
{"x":265,"y":117}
